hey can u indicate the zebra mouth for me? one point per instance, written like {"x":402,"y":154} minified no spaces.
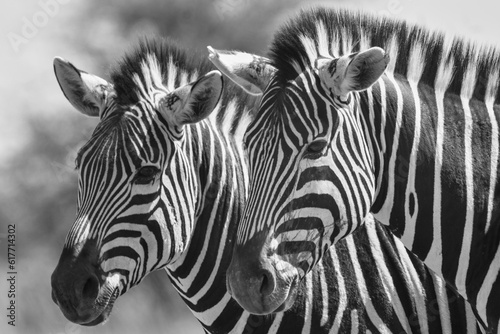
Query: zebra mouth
{"x":290,"y":298}
{"x":105,"y":301}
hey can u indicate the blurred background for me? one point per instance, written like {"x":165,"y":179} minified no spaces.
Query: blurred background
{"x":40,"y":133}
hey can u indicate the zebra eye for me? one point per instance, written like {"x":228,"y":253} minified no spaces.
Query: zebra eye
{"x":315,"y":149}
{"x":146,"y":175}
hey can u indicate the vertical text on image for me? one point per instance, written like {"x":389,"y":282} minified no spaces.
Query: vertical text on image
{"x":11,"y":274}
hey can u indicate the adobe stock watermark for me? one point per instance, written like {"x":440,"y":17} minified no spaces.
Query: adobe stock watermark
{"x":229,"y":8}
{"x":254,"y":322}
{"x":65,"y":170}
{"x":70,"y":328}
{"x":30,"y":26}
{"x":393,"y":7}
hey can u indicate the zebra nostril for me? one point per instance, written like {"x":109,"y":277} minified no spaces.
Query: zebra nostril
{"x":90,"y":288}
{"x":267,"y":282}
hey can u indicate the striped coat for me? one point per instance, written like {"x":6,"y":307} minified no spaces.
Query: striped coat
{"x":162,"y":185}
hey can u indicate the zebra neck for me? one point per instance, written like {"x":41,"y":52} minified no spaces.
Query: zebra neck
{"x":436,"y":165}
{"x":199,"y":275}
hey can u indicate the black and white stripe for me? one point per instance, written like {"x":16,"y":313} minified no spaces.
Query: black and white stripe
{"x":185,"y":218}
{"x":419,"y":149}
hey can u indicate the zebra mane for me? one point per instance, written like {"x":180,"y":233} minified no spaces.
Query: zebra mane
{"x":173,"y":63}
{"x":330,"y":32}
{"x":159,"y":60}
{"x":174,"y":66}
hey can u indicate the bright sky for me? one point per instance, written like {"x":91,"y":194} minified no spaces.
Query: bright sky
{"x":477,"y":19}
{"x":26,"y":68}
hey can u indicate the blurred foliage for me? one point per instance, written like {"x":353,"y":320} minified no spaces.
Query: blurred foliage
{"x":39,"y":184}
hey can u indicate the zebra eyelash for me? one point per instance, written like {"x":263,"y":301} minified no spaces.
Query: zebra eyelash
{"x":315,"y":149}
{"x":146,"y":175}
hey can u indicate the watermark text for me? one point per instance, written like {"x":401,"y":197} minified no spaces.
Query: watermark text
{"x":11,"y":274}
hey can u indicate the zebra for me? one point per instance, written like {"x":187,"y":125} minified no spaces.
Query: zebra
{"x":363,"y":114}
{"x":162,"y":183}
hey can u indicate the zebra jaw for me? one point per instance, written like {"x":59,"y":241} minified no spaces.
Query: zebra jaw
{"x":264,"y":286}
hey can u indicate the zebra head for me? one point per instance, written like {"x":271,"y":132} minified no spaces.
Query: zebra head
{"x":137,"y":190}
{"x":311,"y":177}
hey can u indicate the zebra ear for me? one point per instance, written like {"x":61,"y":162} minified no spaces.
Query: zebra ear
{"x":249,"y":71}
{"x":353,"y":72}
{"x":88,"y":93}
{"x":193,"y":102}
